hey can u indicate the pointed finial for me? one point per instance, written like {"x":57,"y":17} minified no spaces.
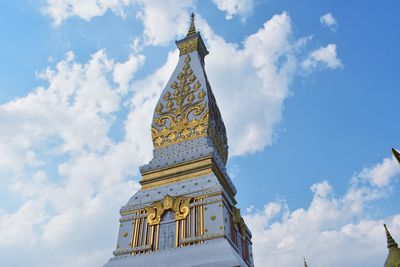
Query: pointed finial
{"x":390,"y":240}
{"x":305,"y":263}
{"x":192,"y":28}
{"x":396,"y":154}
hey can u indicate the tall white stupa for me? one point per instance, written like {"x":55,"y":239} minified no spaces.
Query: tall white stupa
{"x":185,"y":212}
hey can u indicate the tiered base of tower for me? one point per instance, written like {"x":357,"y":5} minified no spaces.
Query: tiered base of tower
{"x":214,"y":253}
{"x":195,"y":223}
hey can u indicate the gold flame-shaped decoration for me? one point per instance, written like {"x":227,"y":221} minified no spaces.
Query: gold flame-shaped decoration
{"x":179,"y":205}
{"x":184,"y":115}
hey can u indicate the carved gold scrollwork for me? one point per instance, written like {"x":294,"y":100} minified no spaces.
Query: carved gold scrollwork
{"x":179,"y":205}
{"x":176,"y":119}
{"x":168,"y":202}
{"x":188,"y":46}
{"x":182,"y":208}
{"x":154,"y":213}
{"x":187,"y":111}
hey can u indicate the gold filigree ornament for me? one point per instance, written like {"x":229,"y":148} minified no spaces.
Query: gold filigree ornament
{"x":184,"y":114}
{"x":189,"y":46}
{"x":179,"y":205}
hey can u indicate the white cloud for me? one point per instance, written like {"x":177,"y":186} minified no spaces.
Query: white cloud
{"x":254,"y":79}
{"x":61,"y":10}
{"x":123,"y":72}
{"x":322,"y":189}
{"x":329,"y":21}
{"x":160,"y":27}
{"x":67,"y":171}
{"x":324,"y":57}
{"x":242,"y":8}
{"x":381,"y":174}
{"x":330,"y":232}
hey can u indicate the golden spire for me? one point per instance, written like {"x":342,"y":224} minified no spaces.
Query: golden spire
{"x":390,"y":240}
{"x":192,"y":28}
{"x":393,"y":258}
{"x":396,"y":154}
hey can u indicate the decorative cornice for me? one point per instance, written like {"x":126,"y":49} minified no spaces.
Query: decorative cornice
{"x":176,"y":170}
{"x":188,"y":170}
{"x":192,"y":42}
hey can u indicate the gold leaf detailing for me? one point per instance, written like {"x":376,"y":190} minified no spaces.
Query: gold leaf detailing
{"x":159,"y":108}
{"x":179,"y":205}
{"x":167,"y":96}
{"x":188,"y":46}
{"x":179,"y":120}
{"x":183,"y":208}
{"x":201,"y":94}
{"x":187,"y":111}
{"x":154,"y":213}
{"x":168,"y":202}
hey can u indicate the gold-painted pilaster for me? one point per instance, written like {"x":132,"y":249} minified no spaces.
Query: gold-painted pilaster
{"x":145,"y":229}
{"x":184,"y":229}
{"x":157,"y":235}
{"x":201,"y":219}
{"x":135,"y":232}
{"x":177,"y":233}
{"x":151,"y":237}
{"x":195,"y":220}
{"x":189,"y":226}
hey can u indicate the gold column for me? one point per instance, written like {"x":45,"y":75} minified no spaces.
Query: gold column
{"x":183,"y":228}
{"x":157,"y":235}
{"x":189,"y":226}
{"x":177,"y":233}
{"x":201,"y":219}
{"x":195,"y":223}
{"x":135,"y":232}
{"x":139,"y":232}
{"x":151,"y":237}
{"x":146,"y":229}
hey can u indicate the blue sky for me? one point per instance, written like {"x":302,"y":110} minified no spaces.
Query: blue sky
{"x":323,"y":128}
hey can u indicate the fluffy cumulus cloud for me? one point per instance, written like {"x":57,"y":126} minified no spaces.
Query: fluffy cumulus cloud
{"x":159,"y":26}
{"x":333,"y":230}
{"x":59,"y":159}
{"x":254,"y":79}
{"x":324,"y":57}
{"x":64,"y":9}
{"x":242,"y":8}
{"x":328,"y":20}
